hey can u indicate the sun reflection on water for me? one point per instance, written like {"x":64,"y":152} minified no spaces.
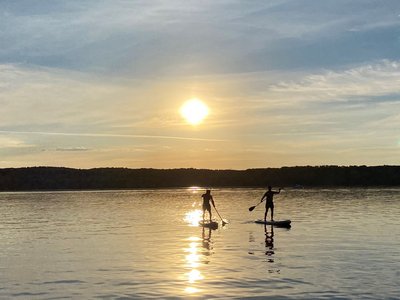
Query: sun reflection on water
{"x":193,"y":217}
{"x":197,"y":255}
{"x":192,"y":263}
{"x":194,"y":189}
{"x":192,"y":258}
{"x":194,"y":276}
{"x":191,"y":290}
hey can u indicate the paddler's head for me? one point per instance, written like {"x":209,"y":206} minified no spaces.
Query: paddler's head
{"x":208,"y":192}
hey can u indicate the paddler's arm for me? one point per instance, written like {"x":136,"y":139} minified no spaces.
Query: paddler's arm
{"x":262,"y":198}
{"x":212,"y":201}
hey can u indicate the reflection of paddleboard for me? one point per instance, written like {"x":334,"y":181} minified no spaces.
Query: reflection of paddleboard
{"x":209,"y":224}
{"x":282,"y":223}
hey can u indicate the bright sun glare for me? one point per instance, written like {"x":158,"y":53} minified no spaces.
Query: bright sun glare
{"x":194,"y":111}
{"x":193,"y":217}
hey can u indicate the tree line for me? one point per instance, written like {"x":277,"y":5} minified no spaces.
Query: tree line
{"x":54,"y":178}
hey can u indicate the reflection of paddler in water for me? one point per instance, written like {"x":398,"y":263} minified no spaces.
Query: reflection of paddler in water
{"x":206,"y":203}
{"x":206,"y":241}
{"x":269,"y":242}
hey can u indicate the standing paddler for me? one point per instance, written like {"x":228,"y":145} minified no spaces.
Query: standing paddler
{"x":269,"y":203}
{"x":207,"y":197}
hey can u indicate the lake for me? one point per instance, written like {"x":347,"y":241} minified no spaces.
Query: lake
{"x":343,"y":244}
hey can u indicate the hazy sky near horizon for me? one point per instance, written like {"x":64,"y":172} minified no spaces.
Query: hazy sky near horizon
{"x":100,"y":83}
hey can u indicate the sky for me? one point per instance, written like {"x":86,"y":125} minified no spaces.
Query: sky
{"x":88,"y":84}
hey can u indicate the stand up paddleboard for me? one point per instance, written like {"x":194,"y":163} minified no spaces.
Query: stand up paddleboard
{"x":282,"y":223}
{"x":209,"y":224}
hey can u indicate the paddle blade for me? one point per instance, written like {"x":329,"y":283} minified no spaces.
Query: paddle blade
{"x":252,"y":208}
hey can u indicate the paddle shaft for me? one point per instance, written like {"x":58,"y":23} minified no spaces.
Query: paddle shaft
{"x":253,"y":207}
{"x":219,"y":215}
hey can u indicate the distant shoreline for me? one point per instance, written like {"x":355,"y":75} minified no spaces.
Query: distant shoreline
{"x":69,"y":179}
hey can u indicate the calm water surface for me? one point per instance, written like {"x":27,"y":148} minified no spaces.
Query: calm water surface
{"x":343,"y":244}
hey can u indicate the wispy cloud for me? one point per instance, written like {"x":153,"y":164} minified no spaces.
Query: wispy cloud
{"x":12,"y":142}
{"x":382,"y":78}
{"x":73,"y":149}
{"x":286,"y":82}
{"x":152,"y":39}
{"x":97,"y":135}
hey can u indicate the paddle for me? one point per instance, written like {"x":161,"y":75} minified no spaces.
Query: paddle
{"x":223,"y":222}
{"x":253,"y":207}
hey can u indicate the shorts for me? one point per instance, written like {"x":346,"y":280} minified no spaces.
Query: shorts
{"x":206,"y":206}
{"x":269,"y":205}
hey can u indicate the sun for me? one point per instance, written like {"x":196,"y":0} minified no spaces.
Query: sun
{"x":194,"y":111}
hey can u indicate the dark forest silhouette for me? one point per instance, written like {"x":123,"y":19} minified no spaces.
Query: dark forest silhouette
{"x":54,"y":178}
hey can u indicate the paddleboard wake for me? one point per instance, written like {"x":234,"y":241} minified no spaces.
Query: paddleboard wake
{"x":209,"y":224}
{"x":278,"y":223}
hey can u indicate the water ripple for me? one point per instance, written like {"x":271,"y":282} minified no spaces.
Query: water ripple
{"x":136,"y":244}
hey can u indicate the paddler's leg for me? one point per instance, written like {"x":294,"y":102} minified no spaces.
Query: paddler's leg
{"x":266,"y":212}
{"x":272,"y":213}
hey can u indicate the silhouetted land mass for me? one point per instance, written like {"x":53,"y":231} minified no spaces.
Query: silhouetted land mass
{"x":53,"y":178}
